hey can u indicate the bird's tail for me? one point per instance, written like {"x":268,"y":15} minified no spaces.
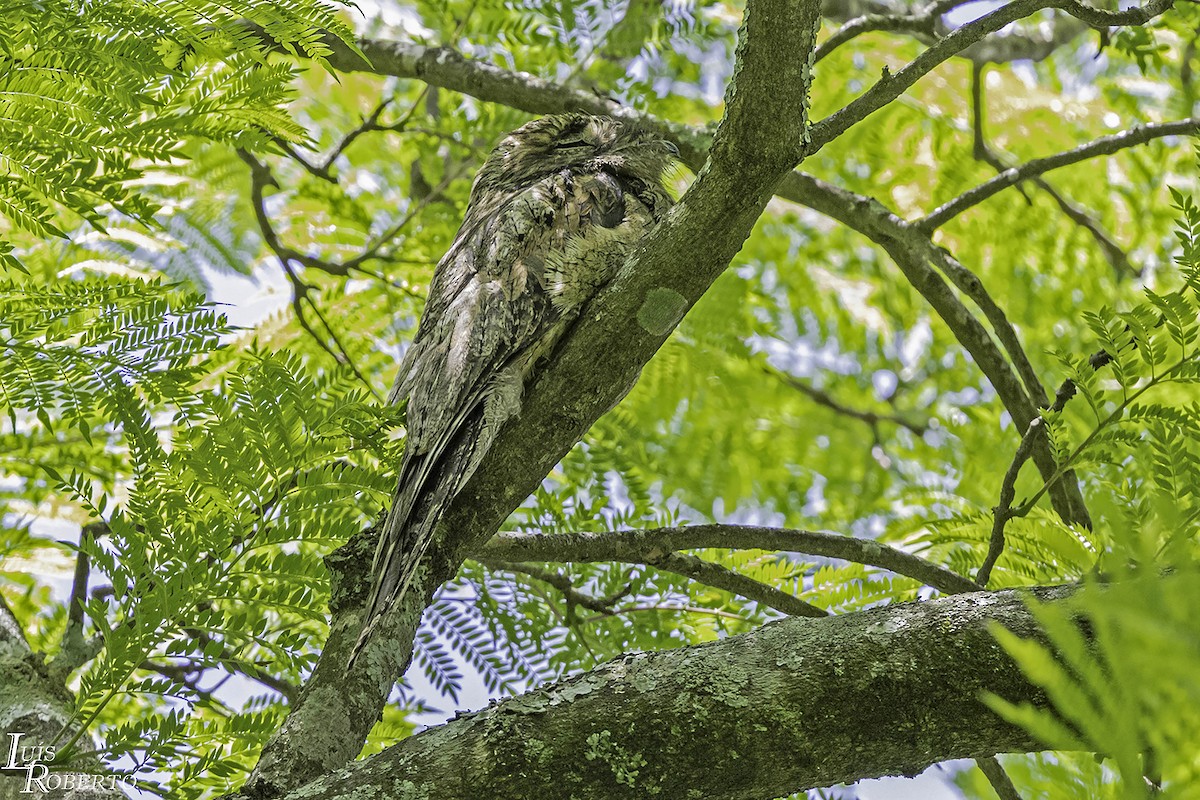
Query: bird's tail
{"x":426,"y":486}
{"x":403,"y":539}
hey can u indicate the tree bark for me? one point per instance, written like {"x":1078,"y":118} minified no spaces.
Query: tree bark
{"x":35,"y":706}
{"x":796,"y":704}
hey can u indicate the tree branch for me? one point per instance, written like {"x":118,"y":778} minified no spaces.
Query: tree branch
{"x":719,"y":577}
{"x":793,"y":705}
{"x":923,"y":21}
{"x":826,"y":400}
{"x":682,"y":564}
{"x":889,"y":87}
{"x":982,"y":151}
{"x":1104,"y":146}
{"x":970,"y":284}
{"x":563,"y":583}
{"x":760,"y":139}
{"x":1003,"y":512}
{"x":1034,"y":44}
{"x":913,"y":252}
{"x":1002,"y":785}
{"x":650,"y":545}
{"x":37,"y":705}
{"x":74,"y":650}
{"x":450,"y":70}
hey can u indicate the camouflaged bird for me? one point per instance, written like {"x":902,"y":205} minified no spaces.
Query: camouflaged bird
{"x":553,"y":213}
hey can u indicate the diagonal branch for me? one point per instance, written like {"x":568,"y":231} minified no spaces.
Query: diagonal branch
{"x":923,"y":21}
{"x":1003,"y":512}
{"x":1002,"y":785}
{"x":1103,"y":146}
{"x":982,"y":151}
{"x":74,"y":650}
{"x":719,"y":577}
{"x":563,"y":583}
{"x":913,"y":252}
{"x":969,"y":284}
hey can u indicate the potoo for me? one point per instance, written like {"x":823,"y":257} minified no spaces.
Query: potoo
{"x":553,"y":212}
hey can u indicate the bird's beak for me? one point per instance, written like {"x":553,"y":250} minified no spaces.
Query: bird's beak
{"x":670,"y":147}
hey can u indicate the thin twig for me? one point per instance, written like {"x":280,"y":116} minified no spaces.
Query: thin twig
{"x":827,"y":400}
{"x":227,"y":658}
{"x":921,"y":22}
{"x":925,"y":22}
{"x":712,"y":612}
{"x":261,"y":177}
{"x":79,"y":582}
{"x":560,"y":582}
{"x":189,"y":678}
{"x":993,"y":770}
{"x":1003,"y":511}
{"x":370,"y":123}
{"x":375,"y":251}
{"x":982,"y":151}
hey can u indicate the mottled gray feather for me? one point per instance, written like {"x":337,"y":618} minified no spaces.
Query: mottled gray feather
{"x":553,"y":213}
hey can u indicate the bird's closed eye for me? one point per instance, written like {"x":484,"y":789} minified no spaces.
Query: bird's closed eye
{"x":571,"y":144}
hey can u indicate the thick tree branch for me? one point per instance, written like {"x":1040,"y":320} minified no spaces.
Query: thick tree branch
{"x":796,"y":704}
{"x":648,"y":546}
{"x":446,"y":68}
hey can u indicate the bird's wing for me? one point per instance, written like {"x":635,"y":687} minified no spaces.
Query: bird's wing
{"x":496,"y":304}
{"x":485,"y":307}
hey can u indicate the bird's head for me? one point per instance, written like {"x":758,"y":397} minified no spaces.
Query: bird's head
{"x":579,"y":142}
